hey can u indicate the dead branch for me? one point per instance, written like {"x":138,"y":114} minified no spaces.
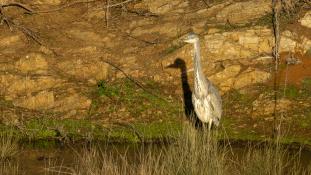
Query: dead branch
{"x":19,"y":5}
{"x":11,"y":24}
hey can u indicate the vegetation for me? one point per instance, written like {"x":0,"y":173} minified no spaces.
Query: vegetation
{"x":8,"y":146}
{"x":8,"y":150}
{"x":195,"y":152}
{"x":125,"y":97}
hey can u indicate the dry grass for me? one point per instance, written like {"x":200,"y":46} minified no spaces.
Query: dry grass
{"x":194,"y":153}
{"x":9,"y":168}
{"x":8,"y":149}
{"x":8,"y":146}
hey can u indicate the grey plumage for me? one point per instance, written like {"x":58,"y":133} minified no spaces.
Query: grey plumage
{"x":205,"y":98}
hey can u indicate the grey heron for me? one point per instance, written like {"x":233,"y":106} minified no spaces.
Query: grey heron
{"x":206,"y":99}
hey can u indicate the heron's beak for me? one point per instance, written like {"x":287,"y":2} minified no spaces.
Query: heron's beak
{"x":186,"y":40}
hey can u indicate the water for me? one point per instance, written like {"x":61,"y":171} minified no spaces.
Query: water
{"x":36,"y":161}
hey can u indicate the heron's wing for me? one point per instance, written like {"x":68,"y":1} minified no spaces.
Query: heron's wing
{"x":200,"y":107}
{"x":215,"y":102}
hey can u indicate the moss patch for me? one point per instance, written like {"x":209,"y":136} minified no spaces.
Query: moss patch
{"x":125,"y":98}
{"x":75,"y":130}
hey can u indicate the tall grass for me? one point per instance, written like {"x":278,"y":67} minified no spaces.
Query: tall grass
{"x":8,"y":146}
{"x":8,"y":149}
{"x":194,"y":153}
{"x":8,"y":167}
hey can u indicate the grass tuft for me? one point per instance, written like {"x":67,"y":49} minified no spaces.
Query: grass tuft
{"x":8,"y":146}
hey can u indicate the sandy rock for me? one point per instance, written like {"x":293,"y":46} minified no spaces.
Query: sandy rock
{"x":169,"y":29}
{"x":42,"y":100}
{"x":244,"y":12}
{"x":239,"y":44}
{"x":6,"y":41}
{"x":306,"y":20}
{"x":141,"y":22}
{"x":226,"y":84}
{"x":4,"y":1}
{"x":250,"y":43}
{"x":287,"y":42}
{"x":92,"y":38}
{"x":292,"y":42}
{"x":70,"y":102}
{"x":228,"y":72}
{"x":33,"y":62}
{"x":211,"y":11}
{"x":226,"y":78}
{"x":165,"y":6}
{"x":47,"y":2}
{"x":96,"y":14}
{"x":251,"y":76}
{"x":265,"y":105}
{"x":263,"y":60}
{"x":85,"y":69}
{"x":305,"y":45}
{"x":14,"y":85}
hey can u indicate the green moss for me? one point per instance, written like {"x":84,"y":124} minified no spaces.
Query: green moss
{"x":105,"y":89}
{"x":234,"y":97}
{"x":291,"y":92}
{"x":305,"y":120}
{"x":158,"y":130}
{"x":125,"y":94}
{"x":306,"y":83}
{"x":46,"y":129}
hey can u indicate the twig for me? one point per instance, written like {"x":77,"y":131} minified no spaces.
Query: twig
{"x":23,"y":29}
{"x":107,"y":14}
{"x":206,"y":3}
{"x":11,"y":24}
{"x":137,"y":133}
{"x":20,"y":5}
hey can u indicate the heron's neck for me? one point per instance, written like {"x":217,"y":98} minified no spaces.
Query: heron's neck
{"x":197,"y":60}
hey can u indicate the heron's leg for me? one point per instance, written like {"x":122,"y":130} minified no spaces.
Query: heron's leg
{"x":204,"y":126}
{"x":210,"y":122}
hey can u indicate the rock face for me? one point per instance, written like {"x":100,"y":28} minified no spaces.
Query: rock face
{"x":32,"y":62}
{"x":239,"y":44}
{"x":251,"y":76}
{"x":59,"y":76}
{"x":291,"y":42}
{"x":263,"y":105}
{"x":32,"y":83}
{"x":244,"y":12}
{"x":165,"y":6}
{"x":306,"y":20}
{"x":42,"y":100}
{"x":47,"y":2}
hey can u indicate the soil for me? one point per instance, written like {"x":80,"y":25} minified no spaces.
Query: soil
{"x":294,"y":74}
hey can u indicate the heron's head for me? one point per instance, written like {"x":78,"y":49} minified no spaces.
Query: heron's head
{"x":191,"y":38}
